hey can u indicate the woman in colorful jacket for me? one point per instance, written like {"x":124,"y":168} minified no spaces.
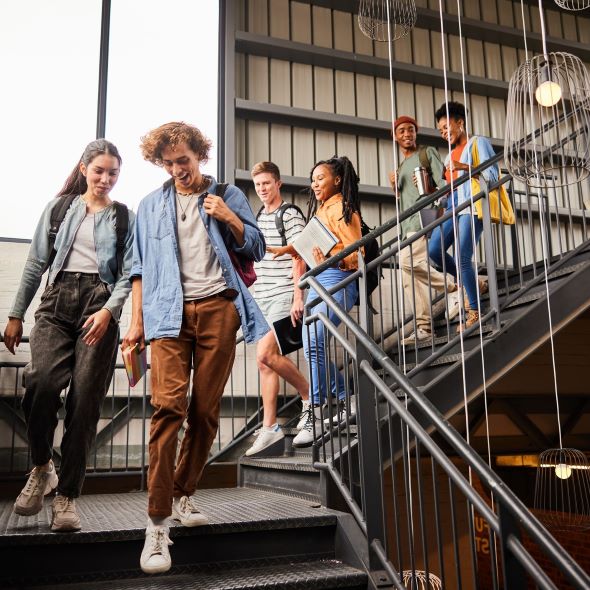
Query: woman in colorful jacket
{"x":465,"y":154}
{"x":75,"y":336}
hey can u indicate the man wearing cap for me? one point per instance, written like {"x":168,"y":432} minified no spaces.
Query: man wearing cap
{"x":418,"y":276}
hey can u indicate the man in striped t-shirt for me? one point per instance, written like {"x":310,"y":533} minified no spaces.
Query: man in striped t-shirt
{"x":277,"y":296}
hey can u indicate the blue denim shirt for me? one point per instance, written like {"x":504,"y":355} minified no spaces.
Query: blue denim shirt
{"x":156,"y":261}
{"x":105,"y":243}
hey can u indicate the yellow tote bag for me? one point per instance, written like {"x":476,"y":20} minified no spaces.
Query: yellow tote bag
{"x":495,"y":201}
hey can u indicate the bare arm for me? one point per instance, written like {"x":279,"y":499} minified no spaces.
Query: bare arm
{"x":135,"y":333}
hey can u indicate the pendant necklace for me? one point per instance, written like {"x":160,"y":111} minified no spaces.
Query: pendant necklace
{"x":183,"y":214}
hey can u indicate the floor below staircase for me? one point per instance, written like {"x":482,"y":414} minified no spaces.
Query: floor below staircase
{"x":254,"y":539}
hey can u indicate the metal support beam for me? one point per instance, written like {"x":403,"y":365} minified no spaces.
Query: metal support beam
{"x":103,"y":69}
{"x":523,"y":422}
{"x":226,"y":135}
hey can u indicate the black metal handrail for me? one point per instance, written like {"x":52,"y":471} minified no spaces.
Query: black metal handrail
{"x":367,"y":355}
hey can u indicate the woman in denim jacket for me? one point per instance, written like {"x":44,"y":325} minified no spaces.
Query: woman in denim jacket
{"x":74,"y":339}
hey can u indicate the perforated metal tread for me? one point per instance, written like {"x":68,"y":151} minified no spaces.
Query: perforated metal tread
{"x":300,"y":462}
{"x":326,"y":574}
{"x":112,"y":517}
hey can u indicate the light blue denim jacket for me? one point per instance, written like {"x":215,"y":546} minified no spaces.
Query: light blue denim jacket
{"x":105,"y":242}
{"x":156,"y":261}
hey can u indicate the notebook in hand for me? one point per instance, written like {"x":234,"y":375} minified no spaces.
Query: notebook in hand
{"x":289,"y":337}
{"x":315,"y":233}
{"x":135,"y":361}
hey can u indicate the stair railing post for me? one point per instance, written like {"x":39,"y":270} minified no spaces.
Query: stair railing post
{"x":514,"y":573}
{"x":369,"y":455}
{"x":488,"y":244}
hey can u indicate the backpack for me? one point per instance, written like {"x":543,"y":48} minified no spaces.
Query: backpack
{"x":58,"y":214}
{"x":243,"y":265}
{"x":371,"y":252}
{"x":279,"y":213}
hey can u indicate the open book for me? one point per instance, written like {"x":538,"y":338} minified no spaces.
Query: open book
{"x":315,"y":233}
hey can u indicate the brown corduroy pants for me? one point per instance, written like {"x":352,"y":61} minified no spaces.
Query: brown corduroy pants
{"x":208,"y":339}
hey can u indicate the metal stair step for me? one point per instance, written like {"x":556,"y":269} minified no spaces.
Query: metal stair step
{"x":325,"y":573}
{"x":244,"y":524}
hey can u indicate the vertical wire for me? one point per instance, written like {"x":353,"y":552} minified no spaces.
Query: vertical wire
{"x":399,"y":269}
{"x":483,"y":364}
{"x":459,"y":280}
{"x":543,"y":235}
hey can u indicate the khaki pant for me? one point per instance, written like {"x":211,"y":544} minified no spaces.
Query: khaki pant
{"x":424,"y":278}
{"x":208,"y":339}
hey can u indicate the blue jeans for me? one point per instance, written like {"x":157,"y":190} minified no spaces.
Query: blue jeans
{"x":464,"y":252}
{"x":314,"y":342}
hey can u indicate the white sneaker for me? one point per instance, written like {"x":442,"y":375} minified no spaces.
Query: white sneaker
{"x":265,"y":437}
{"x":304,"y":437}
{"x":420,"y":335}
{"x":187,"y":513}
{"x":306,"y":404}
{"x":453,"y":306}
{"x":339,"y":411}
{"x":155,"y":557}
{"x":39,"y":484}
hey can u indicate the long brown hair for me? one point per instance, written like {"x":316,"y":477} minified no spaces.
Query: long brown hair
{"x":76,"y":182}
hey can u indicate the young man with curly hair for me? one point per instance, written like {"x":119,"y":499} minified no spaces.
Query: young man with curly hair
{"x":189,"y":302}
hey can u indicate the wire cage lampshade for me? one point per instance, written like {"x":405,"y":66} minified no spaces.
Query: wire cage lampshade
{"x":562,"y":489}
{"x":573,"y":4}
{"x":384,"y":20}
{"x":547,"y":137}
{"x":418,"y":580}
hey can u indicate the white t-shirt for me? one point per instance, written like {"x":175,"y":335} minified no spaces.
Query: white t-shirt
{"x":82,"y":255}
{"x":200,"y":271}
{"x":275,"y":277}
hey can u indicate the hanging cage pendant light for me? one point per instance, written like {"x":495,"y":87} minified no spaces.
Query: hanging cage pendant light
{"x":417,"y":580}
{"x":383,"y":20}
{"x":547,"y":138}
{"x":573,"y":4}
{"x":562,"y":489}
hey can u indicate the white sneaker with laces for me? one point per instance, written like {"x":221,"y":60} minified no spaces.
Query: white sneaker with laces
{"x":155,"y":557}
{"x":306,"y":404}
{"x":420,"y":335}
{"x":304,"y":437}
{"x":339,"y":412}
{"x":187,"y":513}
{"x":265,"y":437}
{"x":39,"y":484}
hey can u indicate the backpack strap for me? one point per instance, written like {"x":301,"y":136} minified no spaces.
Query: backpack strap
{"x":220,"y":189}
{"x":121,"y":228}
{"x":57,"y":216}
{"x":424,"y":161}
{"x":279,"y":214}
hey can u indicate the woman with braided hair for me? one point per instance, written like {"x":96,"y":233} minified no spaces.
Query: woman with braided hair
{"x":334,"y":199}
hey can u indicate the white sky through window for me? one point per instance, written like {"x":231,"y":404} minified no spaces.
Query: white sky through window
{"x":162,"y":67}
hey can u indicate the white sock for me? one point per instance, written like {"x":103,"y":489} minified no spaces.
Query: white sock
{"x":154,"y":521}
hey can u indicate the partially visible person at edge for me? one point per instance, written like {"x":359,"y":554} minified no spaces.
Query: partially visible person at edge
{"x":278,"y":297}
{"x":335,"y":201}
{"x":450,"y":120}
{"x":418,"y":277}
{"x":189,"y":302}
{"x":74,"y":339}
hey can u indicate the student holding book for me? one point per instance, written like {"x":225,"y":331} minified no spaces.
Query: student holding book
{"x":86,"y":242}
{"x":334,"y":200}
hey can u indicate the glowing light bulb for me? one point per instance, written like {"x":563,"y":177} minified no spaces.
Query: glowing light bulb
{"x":548,"y":93}
{"x":563,"y":471}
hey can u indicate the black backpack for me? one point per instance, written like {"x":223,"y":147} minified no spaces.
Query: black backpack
{"x":59,"y":212}
{"x":279,"y":213}
{"x":371,"y":252}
